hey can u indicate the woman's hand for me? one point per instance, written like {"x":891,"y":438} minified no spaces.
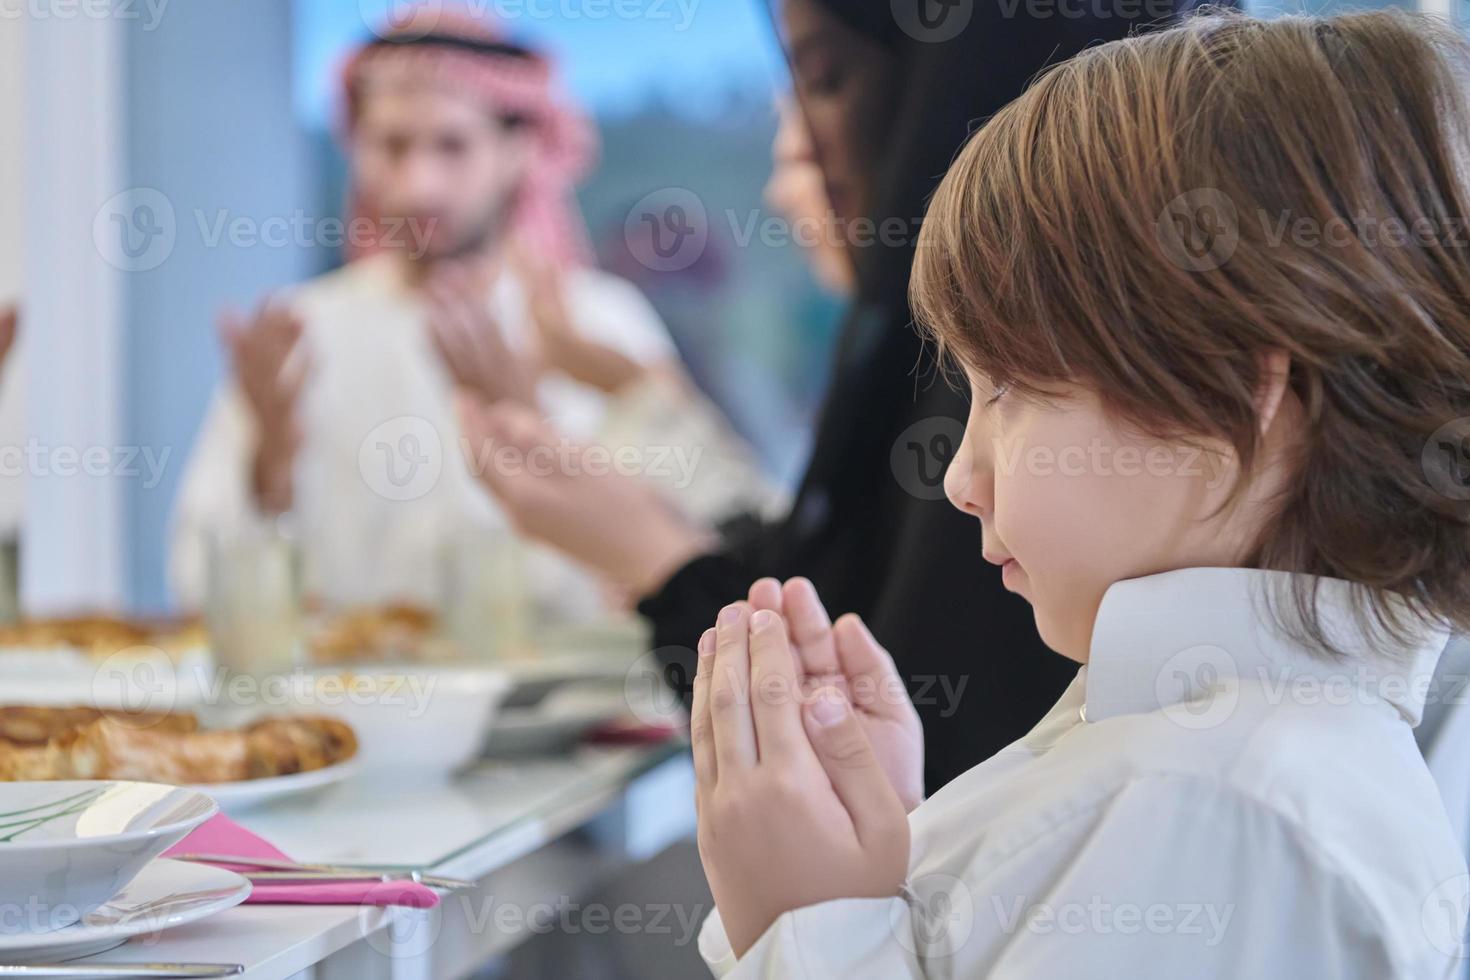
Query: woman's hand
{"x":794,"y":808}
{"x":554,"y":491}
{"x":848,"y":658}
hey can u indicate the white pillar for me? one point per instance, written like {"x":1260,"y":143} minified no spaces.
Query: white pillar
{"x":72,"y":143}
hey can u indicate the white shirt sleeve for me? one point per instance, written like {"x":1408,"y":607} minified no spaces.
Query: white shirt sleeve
{"x":1169,"y":877}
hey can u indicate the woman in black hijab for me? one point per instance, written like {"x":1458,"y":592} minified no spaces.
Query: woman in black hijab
{"x":890,"y":90}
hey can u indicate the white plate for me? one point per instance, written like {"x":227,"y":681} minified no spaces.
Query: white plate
{"x":136,"y":679}
{"x":68,"y":846}
{"x":163,"y":895}
{"x":247,"y":794}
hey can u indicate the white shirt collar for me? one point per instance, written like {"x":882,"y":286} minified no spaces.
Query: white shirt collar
{"x":1170,"y":639}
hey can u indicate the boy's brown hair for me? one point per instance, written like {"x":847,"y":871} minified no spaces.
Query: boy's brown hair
{"x":1152,"y":214}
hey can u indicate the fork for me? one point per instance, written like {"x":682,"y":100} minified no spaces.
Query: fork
{"x":284,"y":871}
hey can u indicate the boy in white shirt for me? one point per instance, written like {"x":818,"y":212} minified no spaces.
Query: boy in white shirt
{"x":1204,"y":287}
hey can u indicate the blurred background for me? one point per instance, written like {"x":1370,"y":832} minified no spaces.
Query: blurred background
{"x":206,"y":134}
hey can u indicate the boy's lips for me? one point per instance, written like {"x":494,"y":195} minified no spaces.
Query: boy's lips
{"x":1009,"y":567}
{"x":996,"y":557}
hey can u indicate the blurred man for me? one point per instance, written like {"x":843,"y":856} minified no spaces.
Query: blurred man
{"x":471,"y":274}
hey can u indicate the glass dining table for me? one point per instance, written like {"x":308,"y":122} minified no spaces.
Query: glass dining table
{"x":532,"y":834}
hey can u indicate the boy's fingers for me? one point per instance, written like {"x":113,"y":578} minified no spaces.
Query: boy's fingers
{"x":730,"y":691}
{"x":847,"y":756}
{"x":765,"y":593}
{"x":701,"y":733}
{"x":811,"y":629}
{"x":870,"y":671}
{"x":775,"y":700}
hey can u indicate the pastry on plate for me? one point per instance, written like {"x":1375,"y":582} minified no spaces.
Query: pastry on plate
{"x":108,"y":748}
{"x":26,"y":724}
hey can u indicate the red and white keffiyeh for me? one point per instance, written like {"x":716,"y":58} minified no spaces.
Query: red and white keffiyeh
{"x":463,"y":53}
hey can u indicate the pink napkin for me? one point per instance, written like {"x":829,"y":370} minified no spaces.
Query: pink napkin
{"x":221,"y":835}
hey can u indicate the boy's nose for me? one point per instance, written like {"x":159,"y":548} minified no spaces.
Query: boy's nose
{"x":967,"y":482}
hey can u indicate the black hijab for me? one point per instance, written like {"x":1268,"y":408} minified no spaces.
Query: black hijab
{"x":870,"y":525}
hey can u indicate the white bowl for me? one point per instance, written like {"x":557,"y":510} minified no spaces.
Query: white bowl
{"x":68,"y":847}
{"x":422,"y":722}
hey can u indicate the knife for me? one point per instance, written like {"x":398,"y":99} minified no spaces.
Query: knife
{"x":80,"y":971}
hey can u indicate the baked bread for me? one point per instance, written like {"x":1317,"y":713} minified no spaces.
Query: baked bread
{"x":107,"y":748}
{"x":25,"y":724}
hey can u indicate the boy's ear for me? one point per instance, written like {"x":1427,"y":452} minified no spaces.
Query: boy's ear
{"x":1273,"y":369}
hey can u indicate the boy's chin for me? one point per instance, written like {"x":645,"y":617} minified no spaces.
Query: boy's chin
{"x":1060,"y":634}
